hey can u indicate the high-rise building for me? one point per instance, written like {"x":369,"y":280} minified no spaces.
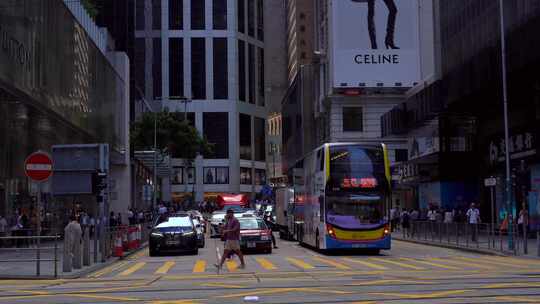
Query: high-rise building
{"x":205,"y":59}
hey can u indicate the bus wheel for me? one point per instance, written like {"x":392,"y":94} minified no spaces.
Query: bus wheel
{"x":317,"y":241}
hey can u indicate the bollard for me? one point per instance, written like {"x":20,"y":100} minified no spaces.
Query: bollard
{"x":102,"y":243}
{"x":66,"y":253}
{"x":77,"y":254}
{"x":56,"y":256}
{"x":86,"y":248}
{"x":538,"y":242}
{"x":95,"y":245}
{"x":525,"y":240}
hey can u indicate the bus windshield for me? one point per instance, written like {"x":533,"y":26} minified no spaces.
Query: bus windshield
{"x":354,"y":211}
{"x":353,"y":160}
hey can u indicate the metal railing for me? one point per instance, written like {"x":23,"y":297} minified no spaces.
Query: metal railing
{"x":33,"y":244}
{"x":479,"y":236}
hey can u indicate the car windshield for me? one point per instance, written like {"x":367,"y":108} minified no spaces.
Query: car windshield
{"x":218,"y":216}
{"x":252,"y":224}
{"x":181,"y":221}
{"x":235,"y":208}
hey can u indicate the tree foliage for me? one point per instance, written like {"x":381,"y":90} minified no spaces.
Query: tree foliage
{"x":174,"y":136}
{"x":91,"y":8}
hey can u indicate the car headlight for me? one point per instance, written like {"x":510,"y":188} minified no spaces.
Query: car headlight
{"x":265,"y":238}
{"x":189,"y":233}
{"x":156,"y":234}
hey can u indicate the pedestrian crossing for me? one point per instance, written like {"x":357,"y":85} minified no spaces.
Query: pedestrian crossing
{"x":196,"y":265}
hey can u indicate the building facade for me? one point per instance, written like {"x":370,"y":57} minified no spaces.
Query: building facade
{"x":56,"y":90}
{"x":463,"y":106}
{"x":205,"y":59}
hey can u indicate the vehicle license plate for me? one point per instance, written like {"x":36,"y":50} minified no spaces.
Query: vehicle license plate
{"x":359,"y":245}
{"x":173,"y":242}
{"x":251,"y":245}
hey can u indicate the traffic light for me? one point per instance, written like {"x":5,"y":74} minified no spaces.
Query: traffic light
{"x":99,"y":181}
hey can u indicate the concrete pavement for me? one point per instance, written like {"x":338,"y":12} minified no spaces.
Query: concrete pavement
{"x":293,"y":274}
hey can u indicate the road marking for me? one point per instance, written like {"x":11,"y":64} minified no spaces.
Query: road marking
{"x":222,"y":285}
{"x":365,"y":263}
{"x":200,"y":266}
{"x":132,"y":269}
{"x":283,"y":290}
{"x":107,"y":270}
{"x":300,"y":263}
{"x":383,"y":282}
{"x":397,"y":263}
{"x":332,"y":263}
{"x":175,"y":302}
{"x":482,"y":260}
{"x":510,"y":285}
{"x":420,"y":295}
{"x":231,"y":265}
{"x":512,"y":299}
{"x":266,"y":264}
{"x":102,"y":297}
{"x":461,"y":263}
{"x":508,"y":260}
{"x":165,"y":267}
{"x":430,"y":263}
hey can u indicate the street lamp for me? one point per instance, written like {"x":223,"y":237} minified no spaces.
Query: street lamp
{"x":508,"y":183}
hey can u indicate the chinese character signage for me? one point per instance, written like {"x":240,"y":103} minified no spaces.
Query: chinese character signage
{"x":520,"y":145}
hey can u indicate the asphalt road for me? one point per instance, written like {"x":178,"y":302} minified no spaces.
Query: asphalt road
{"x":293,"y":274}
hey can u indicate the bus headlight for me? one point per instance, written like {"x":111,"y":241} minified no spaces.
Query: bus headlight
{"x":331,"y":231}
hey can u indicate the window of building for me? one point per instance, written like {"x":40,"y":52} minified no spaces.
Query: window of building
{"x":178,"y":176}
{"x":176,"y":14}
{"x":221,"y":77}
{"x":245,"y":176}
{"x":219,"y":12}
{"x":216,"y":132}
{"x":176,"y":67}
{"x":241,"y":16}
{"x":190,"y":175}
{"x":241,"y":70}
{"x":251,"y":71}
{"x":197,"y":15}
{"x":260,"y":177}
{"x":156,"y":14}
{"x":139,"y":64}
{"x":251,"y":18}
{"x":260,"y":20}
{"x":156,"y":68}
{"x":245,"y":136}
{"x":352,"y":119}
{"x":216,"y":175}
{"x":260,"y":68}
{"x":259,"y":138}
{"x":198,"y":68}
{"x":139,"y":15}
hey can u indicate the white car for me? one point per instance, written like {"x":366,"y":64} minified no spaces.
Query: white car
{"x":200,"y":232}
{"x":218,"y":218}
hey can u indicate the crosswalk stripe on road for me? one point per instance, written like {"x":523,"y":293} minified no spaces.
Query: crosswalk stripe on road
{"x":231,"y":265}
{"x":386,"y":260}
{"x":365,"y":263}
{"x":266,"y":264}
{"x":462,"y":263}
{"x":430,"y":263}
{"x":132,"y":269}
{"x":200,"y":266}
{"x":332,"y":263}
{"x":300,"y":263}
{"x":165,"y":267}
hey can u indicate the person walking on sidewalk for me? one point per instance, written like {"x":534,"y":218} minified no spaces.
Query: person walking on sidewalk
{"x":473,"y":219}
{"x":231,"y":235}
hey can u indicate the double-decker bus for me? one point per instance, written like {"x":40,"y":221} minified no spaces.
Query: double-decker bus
{"x":344,"y":190}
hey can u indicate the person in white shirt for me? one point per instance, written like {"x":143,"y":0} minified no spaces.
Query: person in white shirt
{"x":473,"y":218}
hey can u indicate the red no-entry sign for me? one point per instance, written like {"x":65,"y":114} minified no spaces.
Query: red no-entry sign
{"x":38,"y":166}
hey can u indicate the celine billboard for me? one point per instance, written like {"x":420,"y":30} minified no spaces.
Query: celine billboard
{"x":375,"y":43}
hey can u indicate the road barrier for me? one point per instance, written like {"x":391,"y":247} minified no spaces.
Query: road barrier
{"x":35,"y":244}
{"x":479,"y":236}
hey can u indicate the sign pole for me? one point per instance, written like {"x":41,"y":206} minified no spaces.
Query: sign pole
{"x":38,"y":220}
{"x":492,"y":215}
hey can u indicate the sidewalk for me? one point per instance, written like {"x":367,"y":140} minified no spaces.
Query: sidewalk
{"x":21,"y":266}
{"x":485,"y":244}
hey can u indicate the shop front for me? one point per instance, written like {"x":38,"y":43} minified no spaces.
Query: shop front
{"x":56,"y":87}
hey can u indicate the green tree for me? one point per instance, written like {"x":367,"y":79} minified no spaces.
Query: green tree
{"x":91,"y":8}
{"x":174,"y":136}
